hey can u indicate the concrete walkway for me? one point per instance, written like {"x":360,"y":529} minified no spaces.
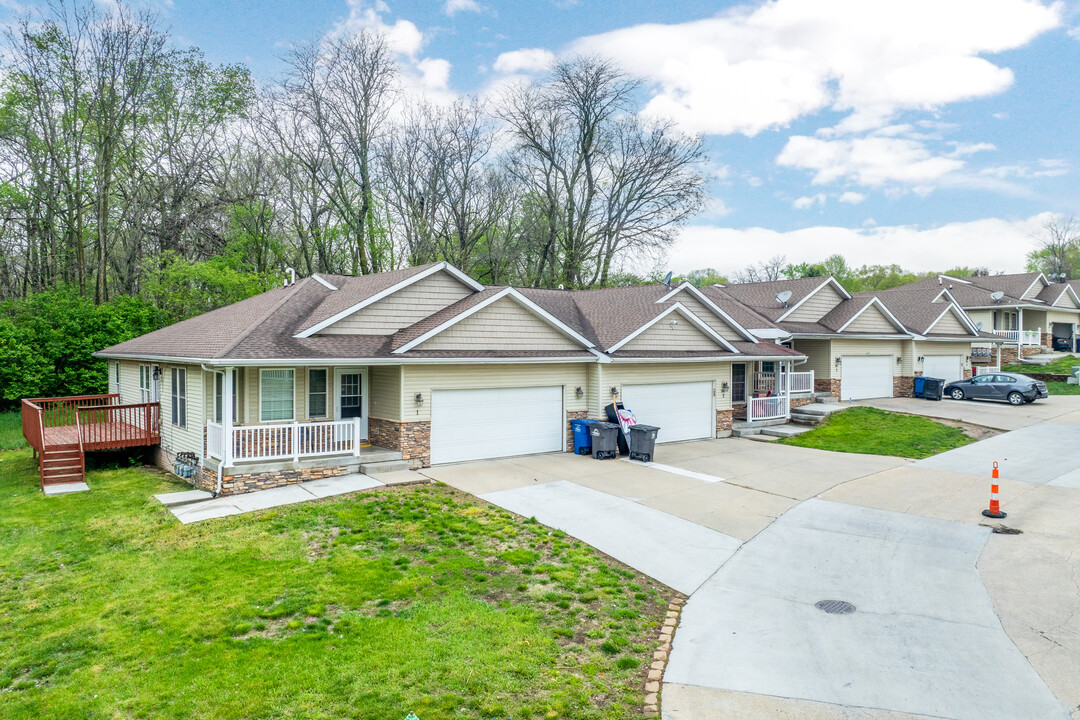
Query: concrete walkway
{"x":677,"y":552}
{"x":924,"y":638}
{"x":1045,"y":453}
{"x":263,"y":499}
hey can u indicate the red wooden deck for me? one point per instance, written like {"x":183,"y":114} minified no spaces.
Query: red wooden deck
{"x":61,"y":430}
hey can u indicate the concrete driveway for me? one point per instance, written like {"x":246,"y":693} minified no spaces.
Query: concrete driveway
{"x":757,"y":533}
{"x":997,"y":415}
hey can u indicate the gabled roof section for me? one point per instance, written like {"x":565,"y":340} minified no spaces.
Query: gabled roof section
{"x":691,"y":317}
{"x":761,"y":296}
{"x":1059,"y":295}
{"x":707,"y":302}
{"x":919,"y":306}
{"x":874,"y":302}
{"x":428,"y":328}
{"x":829,"y":282}
{"x":355,"y":293}
{"x":956,"y":312}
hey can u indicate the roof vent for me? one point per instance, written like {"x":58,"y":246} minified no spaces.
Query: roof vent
{"x":783,"y":297}
{"x":996,"y":296}
{"x":291,"y":280}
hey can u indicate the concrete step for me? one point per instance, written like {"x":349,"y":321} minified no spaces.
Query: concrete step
{"x":65,"y":488}
{"x":784,"y":431}
{"x":761,"y":437}
{"x":759,"y":424}
{"x":385,"y":466}
{"x":186,"y":497}
{"x":746,"y":432}
{"x":819,"y":409}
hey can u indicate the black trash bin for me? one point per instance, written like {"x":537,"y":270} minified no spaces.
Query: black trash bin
{"x":605,"y":440}
{"x":642,"y":442}
{"x":624,"y":447}
{"x":933,"y":388}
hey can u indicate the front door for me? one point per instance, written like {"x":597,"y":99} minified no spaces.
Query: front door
{"x":350,"y":398}
{"x":738,"y":382}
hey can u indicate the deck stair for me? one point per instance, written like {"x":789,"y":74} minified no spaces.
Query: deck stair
{"x":61,"y":431}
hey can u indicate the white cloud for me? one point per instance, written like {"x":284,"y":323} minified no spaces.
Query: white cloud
{"x":402,"y":35}
{"x":755,"y":68}
{"x":453,"y":7}
{"x":434,"y":73}
{"x":1046,"y":167}
{"x":851,"y":198}
{"x":872,"y":161}
{"x":527,"y":60}
{"x":1002,"y":245}
{"x":808,"y":201}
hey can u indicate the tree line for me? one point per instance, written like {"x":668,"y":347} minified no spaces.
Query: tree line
{"x":131,"y":166}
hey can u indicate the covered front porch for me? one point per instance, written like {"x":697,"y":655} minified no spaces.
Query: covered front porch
{"x":763,"y":390}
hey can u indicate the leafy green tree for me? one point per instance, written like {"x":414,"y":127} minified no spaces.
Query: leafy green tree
{"x":704,"y":277}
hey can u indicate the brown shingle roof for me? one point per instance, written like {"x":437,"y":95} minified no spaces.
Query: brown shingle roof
{"x":761,"y":297}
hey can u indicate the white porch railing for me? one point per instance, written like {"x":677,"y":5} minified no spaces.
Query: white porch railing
{"x":286,"y":440}
{"x":1022,"y":337}
{"x":215,"y":445}
{"x":801,"y":382}
{"x":764,"y":382}
{"x":985,"y":369}
{"x":767,"y":408}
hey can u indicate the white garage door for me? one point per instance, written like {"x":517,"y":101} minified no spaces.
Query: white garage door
{"x":495,"y":422}
{"x":682,"y":411}
{"x":867,"y":376}
{"x":947,"y":367}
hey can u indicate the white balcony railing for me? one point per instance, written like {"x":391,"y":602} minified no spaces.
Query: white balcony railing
{"x":768,"y":408}
{"x":215,"y":444}
{"x":764,"y":382}
{"x":284,"y":441}
{"x":1021,"y":337}
{"x":801,"y":382}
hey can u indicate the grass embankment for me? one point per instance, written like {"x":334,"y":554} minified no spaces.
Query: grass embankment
{"x":1061,"y":366}
{"x":11,"y":437}
{"x":414,"y":599}
{"x":877,"y":432}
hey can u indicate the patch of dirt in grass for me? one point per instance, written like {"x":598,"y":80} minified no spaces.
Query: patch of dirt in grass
{"x":978,"y":432}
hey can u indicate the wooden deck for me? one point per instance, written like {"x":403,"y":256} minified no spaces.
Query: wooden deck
{"x":62,"y":430}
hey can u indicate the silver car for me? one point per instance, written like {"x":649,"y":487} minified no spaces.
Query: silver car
{"x":1013,"y":388}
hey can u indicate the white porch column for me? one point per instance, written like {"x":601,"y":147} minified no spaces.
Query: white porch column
{"x":1020,"y":333}
{"x":227,"y":419}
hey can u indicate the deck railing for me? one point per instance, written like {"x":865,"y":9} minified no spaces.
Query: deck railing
{"x":116,"y":426}
{"x":1021,"y":337}
{"x":60,"y":411}
{"x":285,"y":440}
{"x":33,"y":428}
{"x":768,"y":408}
{"x":801,"y":382}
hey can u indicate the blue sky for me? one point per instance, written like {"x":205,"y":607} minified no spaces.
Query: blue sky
{"x":930,"y":133}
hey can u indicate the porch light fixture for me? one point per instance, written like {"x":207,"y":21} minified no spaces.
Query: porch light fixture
{"x":614,"y":390}
{"x":724,"y":388}
{"x":836,"y":362}
{"x":419,"y":399}
{"x":157,"y":372}
{"x":578,"y":392}
{"x":899,"y":359}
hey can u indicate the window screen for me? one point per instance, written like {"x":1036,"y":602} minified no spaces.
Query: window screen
{"x":276,"y":395}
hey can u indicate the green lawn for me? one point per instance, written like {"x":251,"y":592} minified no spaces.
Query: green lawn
{"x":877,"y":432}
{"x":11,"y":436}
{"x":1061,"y":366}
{"x":368,"y":606}
{"x":1060,"y":388}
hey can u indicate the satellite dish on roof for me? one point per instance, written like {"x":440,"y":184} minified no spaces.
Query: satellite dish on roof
{"x":783,"y":297}
{"x":996,"y":296}
{"x":667,"y":279}
{"x":978,"y":326}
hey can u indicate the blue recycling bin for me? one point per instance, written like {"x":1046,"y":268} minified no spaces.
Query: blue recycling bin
{"x":920,"y":384}
{"x":582,"y":438}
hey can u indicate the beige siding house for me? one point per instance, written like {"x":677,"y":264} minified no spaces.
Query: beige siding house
{"x":425,"y":365}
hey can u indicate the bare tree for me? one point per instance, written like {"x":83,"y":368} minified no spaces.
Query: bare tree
{"x":771,"y":269}
{"x":1058,"y":251}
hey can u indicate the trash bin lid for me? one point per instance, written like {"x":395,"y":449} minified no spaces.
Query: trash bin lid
{"x":644,"y":428}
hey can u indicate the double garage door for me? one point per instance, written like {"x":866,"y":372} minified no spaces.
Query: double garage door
{"x":949,"y":368}
{"x":496,"y":422}
{"x":866,"y":376}
{"x":477,"y":424}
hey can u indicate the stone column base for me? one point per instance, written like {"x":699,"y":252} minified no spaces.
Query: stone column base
{"x":573,"y":415}
{"x":724,"y":418}
{"x":412,"y":440}
{"x":829,"y":385}
{"x":903,"y":386}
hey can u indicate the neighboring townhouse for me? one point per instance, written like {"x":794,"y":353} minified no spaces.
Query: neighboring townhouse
{"x":434,"y":367}
{"x":854,"y":345}
{"x":1024,"y":309}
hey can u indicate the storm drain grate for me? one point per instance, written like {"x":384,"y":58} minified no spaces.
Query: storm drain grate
{"x":835,"y":607}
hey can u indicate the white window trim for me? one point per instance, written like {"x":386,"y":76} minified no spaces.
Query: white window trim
{"x":326,"y":392}
{"x":116,"y":374}
{"x":146,"y":391}
{"x":282,"y":420}
{"x":218,"y":416}
{"x":175,"y":397}
{"x":237,"y":383}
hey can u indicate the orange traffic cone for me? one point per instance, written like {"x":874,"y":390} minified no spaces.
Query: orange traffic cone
{"x":995,"y":506}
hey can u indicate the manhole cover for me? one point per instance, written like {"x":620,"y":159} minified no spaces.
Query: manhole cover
{"x":835,"y":607}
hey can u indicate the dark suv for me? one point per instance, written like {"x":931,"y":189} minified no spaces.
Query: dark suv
{"x":1061,"y":344}
{"x":1013,"y":388}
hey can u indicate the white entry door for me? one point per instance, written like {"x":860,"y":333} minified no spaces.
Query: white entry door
{"x":949,"y":368}
{"x":682,"y":411}
{"x":866,"y":376}
{"x":496,"y":422}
